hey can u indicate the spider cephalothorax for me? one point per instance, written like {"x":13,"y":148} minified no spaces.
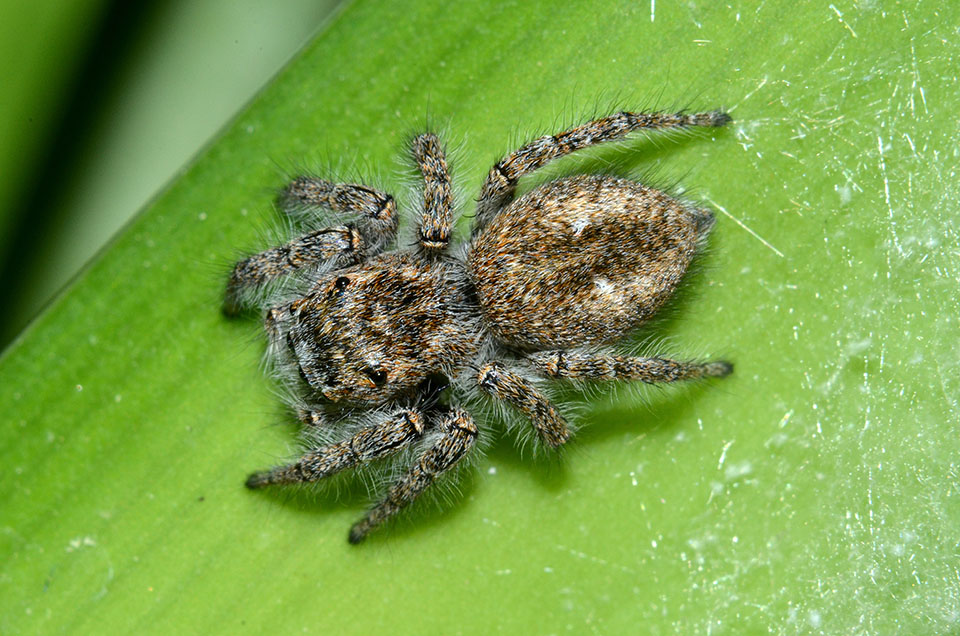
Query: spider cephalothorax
{"x":373,"y":332}
{"x":547,"y":286}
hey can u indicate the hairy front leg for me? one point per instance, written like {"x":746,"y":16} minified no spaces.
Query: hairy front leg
{"x":436,"y":220}
{"x":377,"y":209}
{"x":501,"y":184}
{"x":459,"y":434}
{"x":587,"y":366}
{"x":385,"y":438}
{"x":341,"y":245}
{"x":505,"y":385}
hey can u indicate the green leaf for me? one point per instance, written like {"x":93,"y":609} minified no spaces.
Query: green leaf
{"x":814,"y":490}
{"x":105,"y":159}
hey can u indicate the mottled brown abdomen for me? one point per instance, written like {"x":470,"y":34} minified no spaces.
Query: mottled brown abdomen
{"x":582,"y":261}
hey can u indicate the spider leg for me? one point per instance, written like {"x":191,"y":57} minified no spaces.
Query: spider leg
{"x":458,"y":435}
{"x":501,"y":184}
{"x":380,"y":440}
{"x":504,"y":385}
{"x":437,"y":220}
{"x":343,"y":244}
{"x":579,"y":365}
{"x":377,"y":209}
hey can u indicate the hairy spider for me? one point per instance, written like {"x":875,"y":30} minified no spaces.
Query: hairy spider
{"x":367,"y":339}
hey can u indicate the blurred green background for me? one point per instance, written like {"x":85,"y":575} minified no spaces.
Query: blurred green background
{"x":813,"y":491}
{"x":103,"y":102}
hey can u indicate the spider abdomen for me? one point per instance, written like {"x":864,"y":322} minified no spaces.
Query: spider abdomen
{"x":582,"y":260}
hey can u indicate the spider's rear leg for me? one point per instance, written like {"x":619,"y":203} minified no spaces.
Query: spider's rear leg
{"x":380,"y":440}
{"x":504,"y":385}
{"x":342,"y":245}
{"x":578,"y":365}
{"x":459,"y":434}
{"x":501,"y":184}
{"x":437,"y":219}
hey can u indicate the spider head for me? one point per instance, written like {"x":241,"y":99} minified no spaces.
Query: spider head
{"x":374,"y":332}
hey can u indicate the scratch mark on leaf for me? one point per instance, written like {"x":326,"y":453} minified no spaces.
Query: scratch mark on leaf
{"x":743,"y":225}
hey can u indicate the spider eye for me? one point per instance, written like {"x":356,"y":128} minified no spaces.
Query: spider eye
{"x":377,"y":376}
{"x":341,"y":283}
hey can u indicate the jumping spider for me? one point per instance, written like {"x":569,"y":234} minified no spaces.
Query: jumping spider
{"x":367,"y":339}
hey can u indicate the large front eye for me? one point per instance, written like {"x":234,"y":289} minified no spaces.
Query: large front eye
{"x":377,"y":376}
{"x":341,"y":283}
